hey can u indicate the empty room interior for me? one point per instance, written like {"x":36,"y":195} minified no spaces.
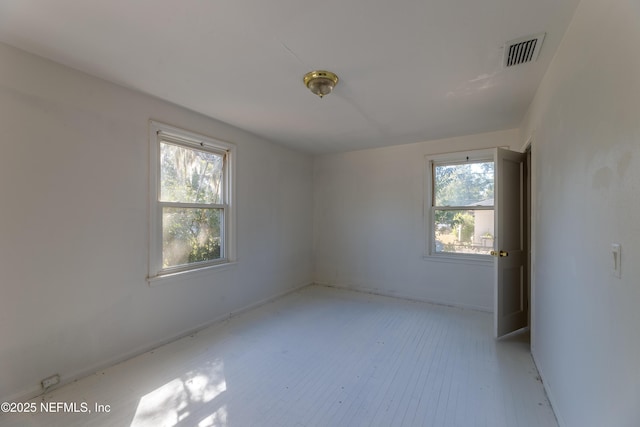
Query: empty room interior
{"x":361,"y":213}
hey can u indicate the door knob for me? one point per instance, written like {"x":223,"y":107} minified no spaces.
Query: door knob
{"x":500,"y":254}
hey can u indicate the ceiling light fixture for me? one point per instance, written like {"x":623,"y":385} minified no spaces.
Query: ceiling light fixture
{"x":320,"y":82}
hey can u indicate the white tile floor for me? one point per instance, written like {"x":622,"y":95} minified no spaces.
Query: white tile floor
{"x":318,"y":357}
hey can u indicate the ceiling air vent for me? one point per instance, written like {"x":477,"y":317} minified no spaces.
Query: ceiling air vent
{"x":522,"y":50}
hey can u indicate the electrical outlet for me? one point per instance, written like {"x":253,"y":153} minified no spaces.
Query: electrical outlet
{"x":50,"y":381}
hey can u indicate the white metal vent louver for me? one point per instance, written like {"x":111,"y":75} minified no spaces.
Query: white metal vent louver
{"x":522,"y":50}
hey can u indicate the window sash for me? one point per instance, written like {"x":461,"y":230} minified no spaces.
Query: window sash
{"x":196,"y":143}
{"x":434,"y":164}
{"x":192,"y":205}
{"x":464,"y":208}
{"x":199,"y":146}
{"x":159,"y":134}
{"x":195,"y":264}
{"x":453,"y":159}
{"x":476,"y":242}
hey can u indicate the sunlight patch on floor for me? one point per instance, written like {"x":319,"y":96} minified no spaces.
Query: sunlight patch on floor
{"x":217,"y":419}
{"x":177,"y":400}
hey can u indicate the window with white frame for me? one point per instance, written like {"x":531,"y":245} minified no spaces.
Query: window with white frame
{"x":461,"y":204}
{"x":191,"y":201}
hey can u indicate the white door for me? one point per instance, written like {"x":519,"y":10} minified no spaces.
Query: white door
{"x":510,"y":308}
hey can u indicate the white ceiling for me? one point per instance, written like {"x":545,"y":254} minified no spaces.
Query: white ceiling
{"x":410,"y":70}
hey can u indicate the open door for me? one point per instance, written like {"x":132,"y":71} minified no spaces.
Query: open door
{"x":510,"y":293}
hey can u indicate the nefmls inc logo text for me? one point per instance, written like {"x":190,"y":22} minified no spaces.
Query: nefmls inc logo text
{"x":66,"y":407}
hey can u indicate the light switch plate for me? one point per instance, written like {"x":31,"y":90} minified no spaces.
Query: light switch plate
{"x":616,"y":260}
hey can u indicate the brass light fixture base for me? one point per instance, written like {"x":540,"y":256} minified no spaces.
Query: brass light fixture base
{"x":320,"y":82}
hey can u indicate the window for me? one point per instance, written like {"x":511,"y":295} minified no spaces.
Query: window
{"x":191,"y":201}
{"x":461,"y":204}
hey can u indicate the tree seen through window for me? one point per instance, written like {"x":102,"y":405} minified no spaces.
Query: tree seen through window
{"x":462,"y":207}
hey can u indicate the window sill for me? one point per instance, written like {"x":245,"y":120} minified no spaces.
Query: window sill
{"x":188,"y":274}
{"x":484,"y":260}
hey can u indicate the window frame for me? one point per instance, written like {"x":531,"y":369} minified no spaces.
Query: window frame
{"x":159,"y":133}
{"x":461,"y":157}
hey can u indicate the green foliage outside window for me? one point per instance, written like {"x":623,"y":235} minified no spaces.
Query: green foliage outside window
{"x":192,"y":186}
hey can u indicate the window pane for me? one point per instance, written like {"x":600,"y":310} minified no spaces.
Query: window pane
{"x":463,"y":231}
{"x":190,"y":176}
{"x":469,"y":184}
{"x":190,"y":235}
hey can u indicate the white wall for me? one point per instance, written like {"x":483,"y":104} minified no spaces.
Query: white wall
{"x":369,"y":230}
{"x":586,"y":118}
{"x":73,"y":225}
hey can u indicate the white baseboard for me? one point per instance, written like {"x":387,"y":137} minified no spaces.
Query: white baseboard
{"x":36,"y":391}
{"x":547,"y":389}
{"x":405,"y":297}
